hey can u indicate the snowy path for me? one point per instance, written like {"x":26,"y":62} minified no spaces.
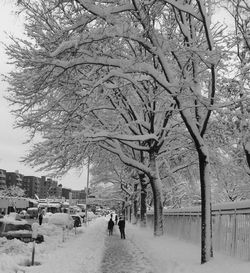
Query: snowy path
{"x":122,"y":256}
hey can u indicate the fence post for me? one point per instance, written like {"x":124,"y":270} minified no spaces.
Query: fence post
{"x":235,"y":233}
{"x":218,"y":235}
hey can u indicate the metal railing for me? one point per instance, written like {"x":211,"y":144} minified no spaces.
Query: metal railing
{"x":230,"y":226}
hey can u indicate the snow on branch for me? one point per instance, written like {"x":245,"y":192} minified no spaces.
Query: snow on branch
{"x":184,"y":7}
{"x":206,"y":23}
{"x":115,"y":148}
{"x":124,"y":65}
{"x":119,"y":74}
{"x":109,"y":135}
{"x":105,"y":12}
{"x":135,"y":147}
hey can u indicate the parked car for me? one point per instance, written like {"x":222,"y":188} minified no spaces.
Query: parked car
{"x":18,"y":229}
{"x":33,"y":212}
{"x":46,"y":217}
{"x":24,"y":214}
{"x":77,"y":220}
{"x":82,"y":215}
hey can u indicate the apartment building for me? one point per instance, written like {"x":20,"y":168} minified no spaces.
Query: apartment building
{"x":2,"y":179}
{"x":78,"y":194}
{"x":66,"y":192}
{"x":48,"y":187}
{"x":14,"y":179}
{"x":35,"y":186}
{"x":31,"y":186}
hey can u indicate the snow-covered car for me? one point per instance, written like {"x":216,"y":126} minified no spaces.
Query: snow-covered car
{"x":13,"y":216}
{"x":24,"y":214}
{"x":33,"y":212}
{"x":61,"y":219}
{"x":46,"y":217}
{"x":82,"y":215}
{"x":18,"y":229}
{"x":77,"y":220}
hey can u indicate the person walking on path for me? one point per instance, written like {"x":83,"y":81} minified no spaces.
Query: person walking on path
{"x":121,"y":225}
{"x":116,"y":219}
{"x":40,"y":217}
{"x":110,"y":226}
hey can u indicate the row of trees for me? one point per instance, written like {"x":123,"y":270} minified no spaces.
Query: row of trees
{"x":140,"y":82}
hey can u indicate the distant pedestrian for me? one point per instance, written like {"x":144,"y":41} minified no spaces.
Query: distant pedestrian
{"x":40,"y":217}
{"x":110,"y":226}
{"x":116,"y":219}
{"x":121,"y":225}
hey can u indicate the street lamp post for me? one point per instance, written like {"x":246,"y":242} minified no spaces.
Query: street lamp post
{"x":87,"y":192}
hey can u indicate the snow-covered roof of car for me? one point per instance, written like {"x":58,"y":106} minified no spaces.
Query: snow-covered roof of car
{"x":13,"y":221}
{"x":54,"y":205}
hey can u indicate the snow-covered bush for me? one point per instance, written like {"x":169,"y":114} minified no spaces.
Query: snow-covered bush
{"x":62,"y":219}
{"x":91,"y":215}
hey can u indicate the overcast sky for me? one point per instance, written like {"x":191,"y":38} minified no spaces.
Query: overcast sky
{"x":11,"y":140}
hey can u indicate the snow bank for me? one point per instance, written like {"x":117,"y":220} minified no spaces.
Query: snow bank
{"x":62,"y":219}
{"x":80,"y":250}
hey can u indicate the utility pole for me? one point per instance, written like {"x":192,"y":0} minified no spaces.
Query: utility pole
{"x":87,"y":192}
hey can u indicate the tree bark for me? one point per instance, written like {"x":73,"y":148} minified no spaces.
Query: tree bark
{"x":143,"y":206}
{"x":123,"y":207}
{"x":246,"y":147}
{"x":206,"y":223}
{"x":157,"y":195}
{"x":135,"y":205}
{"x":129,"y":213}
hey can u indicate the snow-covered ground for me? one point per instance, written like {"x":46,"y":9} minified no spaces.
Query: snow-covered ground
{"x":83,"y":252}
{"x":61,"y":252}
{"x":170,"y":255}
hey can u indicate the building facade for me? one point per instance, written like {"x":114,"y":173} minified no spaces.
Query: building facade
{"x":14,"y":179}
{"x":2,"y":179}
{"x":38,"y":187}
{"x":65,"y":192}
{"x":78,"y":194}
{"x":48,"y":187}
{"x":31,"y":186}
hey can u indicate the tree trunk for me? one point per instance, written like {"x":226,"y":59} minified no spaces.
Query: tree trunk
{"x":246,"y":147}
{"x":135,"y":205}
{"x":129,"y":213}
{"x":157,"y":195}
{"x":206,"y":223}
{"x":123,"y":207}
{"x":143,"y":207}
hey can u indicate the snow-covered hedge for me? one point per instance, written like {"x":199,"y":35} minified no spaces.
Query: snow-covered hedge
{"x":62,"y":219}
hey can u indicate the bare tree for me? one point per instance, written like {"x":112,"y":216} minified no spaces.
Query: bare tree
{"x":239,"y":85}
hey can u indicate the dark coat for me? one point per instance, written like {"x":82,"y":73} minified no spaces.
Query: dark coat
{"x":40,"y":218}
{"x":110,"y":224}
{"x":121,"y":224}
